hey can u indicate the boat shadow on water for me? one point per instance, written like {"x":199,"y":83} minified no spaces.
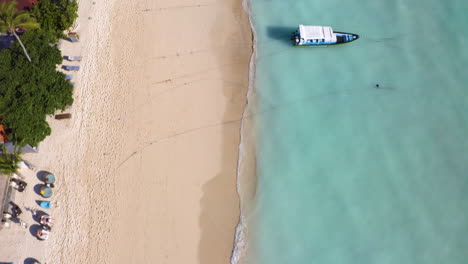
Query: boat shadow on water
{"x":280,"y":33}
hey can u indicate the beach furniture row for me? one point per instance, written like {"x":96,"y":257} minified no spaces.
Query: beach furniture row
{"x":11,"y":211}
{"x":72,"y":37}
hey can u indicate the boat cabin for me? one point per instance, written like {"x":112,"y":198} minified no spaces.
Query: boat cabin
{"x":317,"y":35}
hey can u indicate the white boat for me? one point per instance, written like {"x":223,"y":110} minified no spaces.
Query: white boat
{"x":320,"y":36}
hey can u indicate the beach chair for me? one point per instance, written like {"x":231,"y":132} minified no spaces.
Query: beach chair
{"x":71,"y":68}
{"x":73,"y":58}
{"x":63,"y":116}
{"x":68,"y":77}
{"x":73,"y":37}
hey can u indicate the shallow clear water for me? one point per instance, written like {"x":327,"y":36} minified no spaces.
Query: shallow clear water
{"x":350,"y":173}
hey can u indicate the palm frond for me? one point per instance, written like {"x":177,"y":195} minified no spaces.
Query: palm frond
{"x":3,"y":6}
{"x":11,"y":7}
{"x":9,"y":161}
{"x":22,"y":16}
{"x":5,"y":17}
{"x":28,"y":25}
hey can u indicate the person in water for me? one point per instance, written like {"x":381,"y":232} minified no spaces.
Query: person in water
{"x":377,"y":86}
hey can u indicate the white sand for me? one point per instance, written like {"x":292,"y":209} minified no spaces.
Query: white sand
{"x":146,"y":167}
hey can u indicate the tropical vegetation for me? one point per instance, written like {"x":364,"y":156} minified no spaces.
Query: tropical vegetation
{"x":56,"y":16}
{"x":12,"y":20}
{"x":9,"y":161}
{"x":30,"y":86}
{"x":30,"y":91}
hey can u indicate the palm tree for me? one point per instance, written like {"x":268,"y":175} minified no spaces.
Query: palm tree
{"x":9,"y":161}
{"x":12,"y":19}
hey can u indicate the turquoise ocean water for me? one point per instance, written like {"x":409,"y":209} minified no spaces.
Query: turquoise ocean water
{"x":352,"y":174}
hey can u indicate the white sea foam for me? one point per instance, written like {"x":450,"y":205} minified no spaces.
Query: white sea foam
{"x":240,"y":242}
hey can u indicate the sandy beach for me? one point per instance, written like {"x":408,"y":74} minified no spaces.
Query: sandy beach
{"x":146,"y":168}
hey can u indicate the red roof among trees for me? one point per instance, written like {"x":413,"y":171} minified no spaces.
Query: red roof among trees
{"x":23,"y":4}
{"x":3,"y":135}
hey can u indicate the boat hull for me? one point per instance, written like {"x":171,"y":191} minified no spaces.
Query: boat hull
{"x":342,"y":38}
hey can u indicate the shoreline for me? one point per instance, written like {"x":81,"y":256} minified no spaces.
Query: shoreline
{"x":246,"y":168}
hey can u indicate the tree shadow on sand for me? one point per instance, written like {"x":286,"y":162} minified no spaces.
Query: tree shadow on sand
{"x":218,"y":209}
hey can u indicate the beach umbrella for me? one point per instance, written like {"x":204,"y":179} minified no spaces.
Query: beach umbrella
{"x":47,"y":220}
{"x":43,"y":233}
{"x":46,"y":192}
{"x":49,"y":178}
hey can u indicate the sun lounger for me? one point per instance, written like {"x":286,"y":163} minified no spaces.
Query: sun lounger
{"x":63,"y":116}
{"x":68,"y":77}
{"x":73,"y":58}
{"x":71,"y":68}
{"x":73,"y":37}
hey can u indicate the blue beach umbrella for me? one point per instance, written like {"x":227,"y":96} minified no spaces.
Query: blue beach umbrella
{"x":46,"y":192}
{"x":49,"y":178}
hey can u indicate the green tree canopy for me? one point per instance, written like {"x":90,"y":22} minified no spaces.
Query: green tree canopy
{"x":56,"y":16}
{"x":30,"y":91}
